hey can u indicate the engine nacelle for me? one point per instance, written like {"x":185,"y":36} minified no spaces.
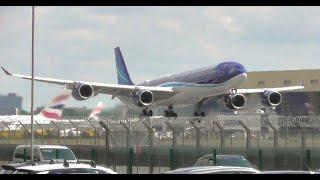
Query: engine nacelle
{"x":271,"y":98}
{"x":82,"y":92}
{"x":234,"y":101}
{"x":143,"y":98}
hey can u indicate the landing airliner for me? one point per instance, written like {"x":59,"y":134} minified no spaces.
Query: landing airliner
{"x":190,"y":87}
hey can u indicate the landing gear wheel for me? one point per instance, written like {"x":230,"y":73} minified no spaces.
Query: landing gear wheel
{"x":144,"y":112}
{"x":202,"y":114}
{"x":169,"y":112}
{"x":196,"y":114}
{"x":150,"y":113}
{"x":174,"y":114}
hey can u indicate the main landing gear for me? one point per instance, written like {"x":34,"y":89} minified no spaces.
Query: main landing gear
{"x":197,"y":110}
{"x":169,"y":112}
{"x":198,"y":114}
{"x":147,"y":113}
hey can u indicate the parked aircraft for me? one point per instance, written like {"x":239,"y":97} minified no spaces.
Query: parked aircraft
{"x":190,"y":87}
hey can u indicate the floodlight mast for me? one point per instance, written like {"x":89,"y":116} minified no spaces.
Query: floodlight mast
{"x":32,"y":84}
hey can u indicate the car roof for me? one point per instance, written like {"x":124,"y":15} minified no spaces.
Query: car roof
{"x":13,"y":166}
{"x":224,"y":155}
{"x":48,"y":167}
{"x":46,"y":146}
{"x":286,"y":172}
{"x":207,"y":169}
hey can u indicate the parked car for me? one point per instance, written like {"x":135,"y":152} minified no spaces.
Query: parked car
{"x":224,"y":160}
{"x":11,"y":168}
{"x":64,"y":168}
{"x":287,"y":172}
{"x":214,"y":170}
{"x":43,"y":153}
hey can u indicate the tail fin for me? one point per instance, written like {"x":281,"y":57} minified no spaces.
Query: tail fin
{"x":122,"y":72}
{"x":54,"y":111}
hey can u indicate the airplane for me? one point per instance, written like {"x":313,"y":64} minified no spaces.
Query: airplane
{"x":186,"y":88}
{"x":51,"y":112}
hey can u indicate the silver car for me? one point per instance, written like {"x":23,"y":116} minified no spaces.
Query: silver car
{"x":214,"y":170}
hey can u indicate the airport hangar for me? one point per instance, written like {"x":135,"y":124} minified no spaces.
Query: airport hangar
{"x":300,"y":103}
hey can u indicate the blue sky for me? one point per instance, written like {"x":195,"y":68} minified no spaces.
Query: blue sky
{"x":77,"y":43}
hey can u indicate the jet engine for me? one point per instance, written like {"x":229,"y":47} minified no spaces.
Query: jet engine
{"x":82,"y":92}
{"x":271,"y":98}
{"x":143,"y":98}
{"x":234,"y":101}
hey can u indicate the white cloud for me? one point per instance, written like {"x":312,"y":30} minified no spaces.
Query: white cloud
{"x":104,"y":18}
{"x":81,"y":33}
{"x":169,"y":24}
{"x":227,"y":21}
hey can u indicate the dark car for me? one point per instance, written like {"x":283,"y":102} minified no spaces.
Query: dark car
{"x":224,"y":160}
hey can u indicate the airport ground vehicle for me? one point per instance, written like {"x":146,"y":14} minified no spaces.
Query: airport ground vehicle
{"x":214,"y":170}
{"x":43,"y":153}
{"x":223,"y":160}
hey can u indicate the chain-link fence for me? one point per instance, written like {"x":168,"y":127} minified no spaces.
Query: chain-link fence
{"x":155,"y":145}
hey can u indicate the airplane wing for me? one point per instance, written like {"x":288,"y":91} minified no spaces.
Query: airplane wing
{"x":279,"y":89}
{"x":103,"y":88}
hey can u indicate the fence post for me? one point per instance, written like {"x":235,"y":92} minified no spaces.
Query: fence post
{"x":214,"y":157}
{"x":57,"y":129}
{"x":95,"y":131}
{"x":41,"y":138}
{"x":302,"y":144}
{"x":107,"y":130}
{"x":24,"y":154}
{"x":308,"y":160}
{"x":150,"y":131}
{"x":9,"y":131}
{"x":77,"y":130}
{"x":57,"y":154}
{"x":25,"y":132}
{"x":174,"y":142}
{"x":94,"y":155}
{"x":248,"y":132}
{"x":127,"y":133}
{"x":130,"y":161}
{"x":221,"y":134}
{"x":171,"y":158}
{"x":260,"y":159}
{"x":197,"y":138}
{"x":275,"y":141}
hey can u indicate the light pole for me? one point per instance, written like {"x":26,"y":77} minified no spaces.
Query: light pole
{"x":32,"y":79}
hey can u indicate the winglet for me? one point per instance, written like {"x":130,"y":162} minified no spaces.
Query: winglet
{"x":7,"y":72}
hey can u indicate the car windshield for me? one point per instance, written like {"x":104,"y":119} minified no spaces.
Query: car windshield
{"x":233,"y":161}
{"x":52,"y":153}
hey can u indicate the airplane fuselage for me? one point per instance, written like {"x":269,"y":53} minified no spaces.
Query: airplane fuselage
{"x":219,"y":80}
